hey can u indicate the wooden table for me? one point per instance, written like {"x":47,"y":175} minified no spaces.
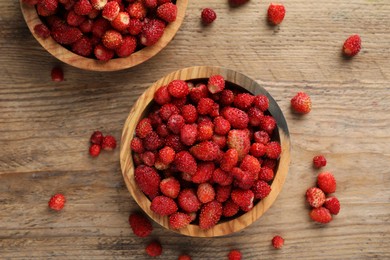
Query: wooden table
{"x":45,"y":127}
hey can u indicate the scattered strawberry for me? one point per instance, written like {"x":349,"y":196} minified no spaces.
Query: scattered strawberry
{"x":179,"y":220}
{"x":261,"y":189}
{"x":319,"y":161}
{"x":236,"y":117}
{"x":57,"y":74}
{"x":152,"y":31}
{"x":94,"y":150}
{"x":315,"y":197}
{"x":301,"y":103}
{"x":241,"y":197}
{"x":140,"y":225}
{"x":234,"y":255}
{"x":163,"y":206}
{"x":321,"y":215}
{"x":188,"y":201}
{"x":108,"y":143}
{"x":208,"y":16}
{"x":167,"y":12}
{"x":57,"y":202}
{"x":237,"y":2}
{"x":205,"y":151}
{"x":42,"y":31}
{"x":333,"y":205}
{"x":326,"y":182}
{"x":147,"y":180}
{"x":185,"y":162}
{"x":205,"y":192}
{"x":240,"y":141}
{"x":276,"y":13}
{"x":230,"y":208}
{"x":210,"y":214}
{"x":277,"y":242}
{"x":111,"y":10}
{"x":352,"y":45}
{"x":170,"y":187}
{"x":273,"y":150}
{"x":96,"y":138}
{"x":154,"y":248}
{"x":184,"y":257}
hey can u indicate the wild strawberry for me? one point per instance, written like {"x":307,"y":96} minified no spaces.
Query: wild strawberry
{"x":74,"y":19}
{"x":167,"y":155}
{"x":151,"y":4}
{"x":326,"y":182}
{"x":236,"y":117}
{"x":205,"y":192}
{"x":163,"y":206}
{"x":315,"y":197}
{"x":137,"y":159}
{"x":179,"y":102}
{"x":261,"y":137}
{"x":140,"y":224}
{"x":241,"y":197}
{"x":267,"y":123}
{"x":102,"y":53}
{"x":147,"y":180}
{"x":230,"y":208}
{"x":174,"y":142}
{"x":189,"y":113}
{"x":222,"y":193}
{"x":208,"y":16}
{"x":143,"y":128}
{"x":82,"y":47}
{"x":111,"y":10}
{"x":121,"y":21}
{"x":136,"y":145}
{"x":250,"y":164}
{"x":205,"y":106}
{"x":65,"y":34}
{"x":226,"y":97}
{"x":184,"y":257}
{"x":229,"y":160}
{"x":98,"y":4}
{"x":198,"y":92}
{"x":210,"y":214}
{"x":222,"y":126}
{"x":100,"y":26}
{"x":162,"y":96}
{"x":154,"y":249}
{"x":167,"y":12}
{"x":185,"y":162}
{"x":175,"y":123}
{"x":152,"y":31}
{"x":137,"y":10}
{"x":215,"y":111}
{"x":167,"y":110}
{"x":221,"y":177}
{"x":128,"y":46}
{"x":261,"y":102}
{"x":108,"y":143}
{"x":257,"y":149}
{"x":240,"y":141}
{"x":273,"y":150}
{"x":135,"y":26}
{"x":266,"y":174}
{"x":277,"y":242}
{"x":244,"y":179}
{"x":205,"y":131}
{"x":148,"y":158}
{"x":204,"y":172}
{"x":270,"y":163}
{"x":205,"y":151}
{"x":333,"y":205}
{"x":152,"y":142}
{"x":237,"y":2}
{"x":160,"y":2}
{"x":178,"y":88}
{"x":112,"y":39}
{"x":170,"y":187}
{"x":188,"y":201}
{"x":162,"y":130}
{"x":243,"y":101}
{"x":276,"y":13}
{"x":321,"y":215}
{"x":42,"y":11}
{"x":319,"y":161}
{"x":57,"y":74}
{"x":57,"y":202}
{"x":42,"y":31}
{"x":179,"y":220}
{"x":50,"y":5}
{"x":82,"y":7}
{"x":220,"y":140}
{"x":352,"y":45}
{"x":189,"y":134}
{"x":234,"y":255}
{"x":301,"y":103}
{"x":255,"y":115}
{"x":261,"y":189}
{"x":96,"y":138}
{"x":216,"y":84}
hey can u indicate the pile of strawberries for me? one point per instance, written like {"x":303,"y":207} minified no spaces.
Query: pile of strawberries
{"x":104,"y":29}
{"x":205,"y":151}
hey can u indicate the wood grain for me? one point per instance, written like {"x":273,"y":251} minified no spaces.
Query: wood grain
{"x":45,"y":128}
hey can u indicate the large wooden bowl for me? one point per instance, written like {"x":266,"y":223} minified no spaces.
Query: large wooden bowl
{"x":31,"y":17}
{"x":138,"y":112}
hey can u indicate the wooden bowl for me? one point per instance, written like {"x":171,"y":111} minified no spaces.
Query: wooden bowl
{"x":138,"y":112}
{"x":31,"y":17}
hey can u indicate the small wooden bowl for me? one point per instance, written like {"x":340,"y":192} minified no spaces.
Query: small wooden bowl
{"x":138,"y":112}
{"x":31,"y":17}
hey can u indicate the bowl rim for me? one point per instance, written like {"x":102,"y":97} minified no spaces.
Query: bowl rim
{"x":127,"y":166}
{"x":31,"y":18}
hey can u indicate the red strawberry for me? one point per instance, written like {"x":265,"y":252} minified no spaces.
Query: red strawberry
{"x":237,"y":2}
{"x":273,"y":150}
{"x":321,"y":215}
{"x":261,"y":137}
{"x":236,"y":117}
{"x":261,"y":189}
{"x":98,"y":4}
{"x":261,"y":102}
{"x":270,"y":163}
{"x":162,"y":96}
{"x":179,"y":220}
{"x":140,"y":225}
{"x":216,"y":84}
{"x":170,"y":187}
{"x":135,"y":26}
{"x":205,"y":130}
{"x":175,"y":123}
{"x":167,"y":110}
{"x":208,"y":15}
{"x":111,"y":10}
{"x":102,"y":53}
{"x":229,"y":160}
{"x":121,"y":21}
{"x":222,"y":126}
{"x":352,"y":45}
{"x":204,"y":172}
{"x":147,"y":180}
{"x":226,"y":98}
{"x":167,"y":155}
{"x":152,"y":142}
{"x":96,"y":138}
{"x":82,"y":7}
{"x":266,"y":174}
{"x":220,"y":140}
{"x":189,"y":113}
{"x":333,"y":205}
{"x":148,"y":158}
{"x":152,"y":31}
{"x":57,"y":74}
{"x":234,"y":255}
{"x":150,"y":3}
{"x":163,"y":206}
{"x":319,"y":161}
{"x":267,"y":123}
{"x":82,"y":46}
{"x":242,"y":198}
{"x":189,"y":134}
{"x":210,"y":214}
{"x":137,"y":10}
{"x":205,"y":192}
{"x":230,"y":208}
{"x":301,"y":103}
{"x":277,"y":242}
{"x":42,"y":31}
{"x":243,"y":101}
{"x":143,"y":128}
{"x":162,"y":130}
{"x":250,"y":164}
{"x":74,"y":19}
{"x":221,"y":177}
{"x":128,"y":46}
{"x":257,"y":149}
{"x":276,"y":13}
{"x":108,"y":143}
{"x":240,"y":141}
{"x":94,"y":150}
{"x":49,"y":5}
{"x":178,"y":88}
{"x":185,"y":162}
{"x":205,"y":106}
{"x":315,"y":197}
{"x":223,"y":193}
{"x":174,"y":142}
{"x":57,"y":202}
{"x":244,"y":179}
{"x":112,"y":39}
{"x":65,"y":34}
{"x":205,"y":151}
{"x":136,"y":145}
{"x":167,"y":12}
{"x":100,"y":26}
{"x":188,"y":201}
{"x":255,"y":115}
{"x":42,"y":11}
{"x":198,"y":92}
{"x":326,"y":182}
{"x":154,"y":249}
